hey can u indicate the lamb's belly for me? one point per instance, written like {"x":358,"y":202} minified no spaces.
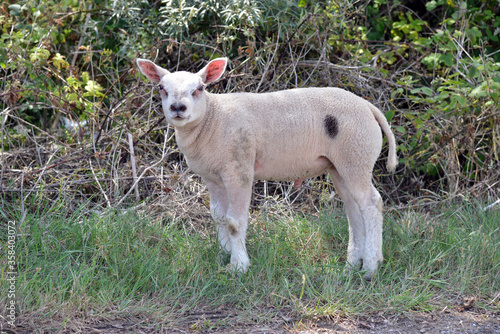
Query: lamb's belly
{"x":290,"y":170}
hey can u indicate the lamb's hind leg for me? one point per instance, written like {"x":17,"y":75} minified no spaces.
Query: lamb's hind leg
{"x":371,"y":208}
{"x":364,"y":209}
{"x":356,"y":246}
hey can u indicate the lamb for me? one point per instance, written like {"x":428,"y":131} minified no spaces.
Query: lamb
{"x":290,"y":135}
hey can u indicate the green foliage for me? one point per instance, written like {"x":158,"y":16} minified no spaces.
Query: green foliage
{"x":450,"y":100}
{"x":54,"y":48}
{"x":433,"y":67}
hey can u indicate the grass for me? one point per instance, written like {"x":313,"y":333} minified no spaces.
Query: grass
{"x":81,"y":265}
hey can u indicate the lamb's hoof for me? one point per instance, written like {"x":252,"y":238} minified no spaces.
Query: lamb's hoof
{"x":369,"y":276}
{"x":240,"y":262}
{"x":371,"y":270}
{"x":237,"y":270}
{"x":351,"y":268}
{"x":240,"y":266}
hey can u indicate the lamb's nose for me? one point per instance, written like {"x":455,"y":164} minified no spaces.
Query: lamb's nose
{"x":177,"y":107}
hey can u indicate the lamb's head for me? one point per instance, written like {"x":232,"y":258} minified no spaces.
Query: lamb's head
{"x":183,"y":93}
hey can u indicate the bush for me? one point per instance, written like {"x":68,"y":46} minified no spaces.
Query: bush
{"x":434,"y":68}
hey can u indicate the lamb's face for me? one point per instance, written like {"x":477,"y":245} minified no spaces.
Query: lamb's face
{"x":183,"y":93}
{"x":183,"y":98}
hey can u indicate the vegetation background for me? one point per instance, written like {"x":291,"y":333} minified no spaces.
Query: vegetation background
{"x":70,"y":92}
{"x":82,"y":132}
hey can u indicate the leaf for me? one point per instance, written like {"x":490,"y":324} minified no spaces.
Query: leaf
{"x":443,"y":95}
{"x":389,"y":114}
{"x":474,"y":31}
{"x":85,"y":77}
{"x":73,"y":83}
{"x":447,"y":59}
{"x":93,"y":87}
{"x":39,"y":54}
{"x":462,"y":101}
{"x":431,"y":60}
{"x":427,"y":91}
{"x":59,"y":61}
{"x":15,"y":10}
{"x":431,"y":5}
{"x":473,"y":72}
{"x":479,"y":91}
{"x":396,"y":92}
{"x":15,"y":7}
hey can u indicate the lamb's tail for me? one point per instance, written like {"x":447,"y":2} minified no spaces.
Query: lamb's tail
{"x":392,"y":158}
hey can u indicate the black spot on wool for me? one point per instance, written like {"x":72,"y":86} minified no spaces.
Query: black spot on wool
{"x":331,"y":126}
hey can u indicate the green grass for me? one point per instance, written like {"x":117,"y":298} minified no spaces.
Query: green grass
{"x":75,"y":264}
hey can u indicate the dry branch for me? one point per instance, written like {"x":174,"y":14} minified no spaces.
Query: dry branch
{"x":134,"y":168}
{"x":492,"y":205}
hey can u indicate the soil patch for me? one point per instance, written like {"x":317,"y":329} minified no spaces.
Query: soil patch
{"x":447,"y":322}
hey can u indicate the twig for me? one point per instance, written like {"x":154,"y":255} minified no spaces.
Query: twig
{"x":492,"y":205}
{"x":2,"y":125}
{"x":149,"y":130}
{"x":132,"y":162}
{"x":42,"y":169}
{"x":402,"y":43}
{"x":111,"y":110}
{"x":83,"y":36}
{"x":99,"y":183}
{"x":164,"y":154}
{"x":19,"y":119}
{"x":314,"y":63}
{"x":48,"y":187}
{"x":264,"y":75}
{"x":282,"y":49}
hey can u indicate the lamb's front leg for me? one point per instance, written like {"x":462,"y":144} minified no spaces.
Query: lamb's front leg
{"x":218,"y":208}
{"x":239,"y":192}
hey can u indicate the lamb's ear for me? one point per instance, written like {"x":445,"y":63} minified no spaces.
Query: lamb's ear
{"x":213,"y":71}
{"x":151,"y":70}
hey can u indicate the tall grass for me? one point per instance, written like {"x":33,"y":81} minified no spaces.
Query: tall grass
{"x":80,"y":265}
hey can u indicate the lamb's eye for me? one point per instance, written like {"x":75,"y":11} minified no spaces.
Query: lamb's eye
{"x":198,"y":90}
{"x":162,"y":89}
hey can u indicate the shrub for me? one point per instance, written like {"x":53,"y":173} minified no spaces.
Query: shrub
{"x":434,"y":68}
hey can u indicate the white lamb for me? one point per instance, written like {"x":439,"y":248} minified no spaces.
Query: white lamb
{"x":232,"y":139}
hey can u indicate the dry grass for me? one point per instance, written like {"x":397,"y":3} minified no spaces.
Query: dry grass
{"x":94,"y":163}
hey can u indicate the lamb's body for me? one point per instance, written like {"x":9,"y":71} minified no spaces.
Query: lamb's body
{"x":293,"y":147}
{"x":232,"y":139}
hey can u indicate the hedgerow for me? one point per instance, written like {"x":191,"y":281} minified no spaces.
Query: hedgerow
{"x":71,"y":95}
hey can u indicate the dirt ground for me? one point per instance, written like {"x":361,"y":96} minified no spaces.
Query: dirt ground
{"x":447,"y":322}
